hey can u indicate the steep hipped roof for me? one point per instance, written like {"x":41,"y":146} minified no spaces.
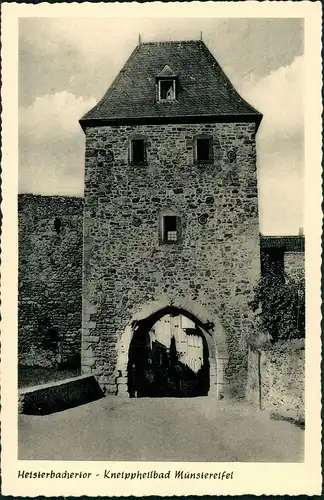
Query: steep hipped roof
{"x":203,"y":90}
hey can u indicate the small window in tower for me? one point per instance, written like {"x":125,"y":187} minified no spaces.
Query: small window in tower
{"x":204,"y":151}
{"x":167,"y":90}
{"x":170,"y":229}
{"x":57,"y":225}
{"x":137,"y":151}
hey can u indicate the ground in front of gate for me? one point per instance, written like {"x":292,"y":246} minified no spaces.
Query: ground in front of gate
{"x":166,"y":429}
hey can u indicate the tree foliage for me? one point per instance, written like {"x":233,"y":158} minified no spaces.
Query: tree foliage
{"x":279,"y":307}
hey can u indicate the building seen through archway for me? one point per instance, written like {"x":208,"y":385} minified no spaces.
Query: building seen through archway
{"x":168,"y":359}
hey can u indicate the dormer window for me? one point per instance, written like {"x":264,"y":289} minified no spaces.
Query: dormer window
{"x":166,"y":85}
{"x":167,"y":90}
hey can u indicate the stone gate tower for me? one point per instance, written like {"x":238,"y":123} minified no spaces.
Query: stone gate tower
{"x":170,"y":211}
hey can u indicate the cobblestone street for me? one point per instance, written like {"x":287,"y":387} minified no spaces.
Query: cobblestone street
{"x":166,"y":429}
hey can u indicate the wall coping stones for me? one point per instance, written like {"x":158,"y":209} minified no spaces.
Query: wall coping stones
{"x":33,"y":388}
{"x":59,"y":396}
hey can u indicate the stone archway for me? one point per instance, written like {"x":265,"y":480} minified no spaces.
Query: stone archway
{"x":209,"y":325}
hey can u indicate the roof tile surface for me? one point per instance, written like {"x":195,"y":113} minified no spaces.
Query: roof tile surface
{"x":287,"y":243}
{"x":202,"y":86}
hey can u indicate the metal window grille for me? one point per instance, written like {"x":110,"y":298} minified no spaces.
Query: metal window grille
{"x":172,"y":236}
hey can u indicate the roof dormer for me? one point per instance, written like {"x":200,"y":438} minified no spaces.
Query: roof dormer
{"x":166,"y":82}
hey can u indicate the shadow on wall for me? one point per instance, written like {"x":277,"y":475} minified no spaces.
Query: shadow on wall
{"x":44,"y":362}
{"x":50,"y":281}
{"x":29,"y":376}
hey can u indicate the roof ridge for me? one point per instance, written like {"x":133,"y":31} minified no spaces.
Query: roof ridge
{"x":171,"y":41}
{"x":282,"y":236}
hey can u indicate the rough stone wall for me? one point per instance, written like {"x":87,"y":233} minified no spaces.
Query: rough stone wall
{"x":125,"y":266}
{"x":295,"y":263}
{"x":253,"y":392}
{"x":280,"y":376}
{"x":50,"y":280}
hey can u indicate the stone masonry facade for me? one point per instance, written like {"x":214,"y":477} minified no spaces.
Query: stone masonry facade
{"x":50,"y":280}
{"x":295,"y":264}
{"x":125,"y":266}
{"x":276,"y":379}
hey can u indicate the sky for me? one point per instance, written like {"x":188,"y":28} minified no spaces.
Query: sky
{"x":66,"y":65}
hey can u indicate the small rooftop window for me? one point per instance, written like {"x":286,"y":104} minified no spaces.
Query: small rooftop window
{"x":167,"y":90}
{"x":166,"y":81}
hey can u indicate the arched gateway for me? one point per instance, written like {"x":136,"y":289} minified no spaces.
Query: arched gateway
{"x":134,"y":353}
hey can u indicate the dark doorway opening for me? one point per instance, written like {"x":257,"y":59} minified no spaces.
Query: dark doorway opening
{"x":168,"y":356}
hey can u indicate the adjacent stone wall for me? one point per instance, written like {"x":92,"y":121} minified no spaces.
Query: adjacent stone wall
{"x":58,"y":396}
{"x":50,"y":280}
{"x":295,"y":263}
{"x":125,"y":266}
{"x":276,"y":379}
